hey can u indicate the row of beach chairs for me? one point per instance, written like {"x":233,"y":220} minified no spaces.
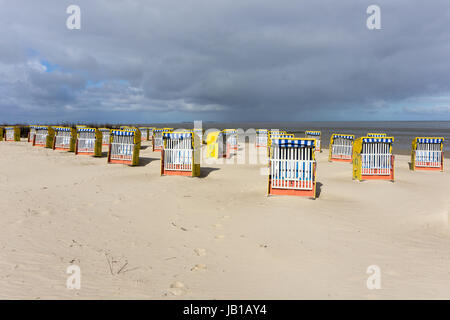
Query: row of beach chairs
{"x":292,"y":163}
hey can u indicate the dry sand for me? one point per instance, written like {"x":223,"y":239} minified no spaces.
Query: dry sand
{"x":136,"y":235}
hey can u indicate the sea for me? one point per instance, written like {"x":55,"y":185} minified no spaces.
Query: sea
{"x":402,"y":131}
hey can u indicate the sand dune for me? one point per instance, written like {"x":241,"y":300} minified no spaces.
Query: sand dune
{"x":137,"y":235}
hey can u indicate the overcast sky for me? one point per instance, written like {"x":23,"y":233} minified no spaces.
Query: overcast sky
{"x":172,"y":60}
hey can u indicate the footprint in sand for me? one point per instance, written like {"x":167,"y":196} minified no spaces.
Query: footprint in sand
{"x":177,"y":288}
{"x":199,"y":267}
{"x":200,"y":252}
{"x":40,"y":212}
{"x":217,"y":225}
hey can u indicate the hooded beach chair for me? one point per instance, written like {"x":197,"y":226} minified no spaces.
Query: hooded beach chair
{"x":341,"y":147}
{"x":261,"y":138}
{"x":373,"y":158}
{"x":89,"y":142}
{"x":44,"y":136}
{"x":292,"y":167}
{"x":158,"y":138}
{"x":215,"y":145}
{"x":144,"y":133}
{"x":231,"y":140}
{"x":124,"y":146}
{"x":315,"y":135}
{"x":427,"y":153}
{"x":181,"y":154}
{"x":65,"y":138}
{"x":106,"y":138}
{"x":12,"y":133}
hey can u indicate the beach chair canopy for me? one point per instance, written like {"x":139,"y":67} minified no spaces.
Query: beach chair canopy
{"x":293,"y":143}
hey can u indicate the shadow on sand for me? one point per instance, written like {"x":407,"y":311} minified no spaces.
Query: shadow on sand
{"x":143,"y":161}
{"x":205,"y":171}
{"x":318,"y":189}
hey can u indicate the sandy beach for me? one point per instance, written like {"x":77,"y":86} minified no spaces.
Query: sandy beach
{"x":137,"y":235}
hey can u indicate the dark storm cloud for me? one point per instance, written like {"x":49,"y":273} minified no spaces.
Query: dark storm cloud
{"x":252,"y":60}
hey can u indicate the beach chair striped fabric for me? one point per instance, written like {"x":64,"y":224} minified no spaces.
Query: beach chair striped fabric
{"x":316,"y":135}
{"x":180,"y":155}
{"x":89,"y":142}
{"x":279,"y":135}
{"x":44,"y":136}
{"x":341,"y":147}
{"x":12,"y":133}
{"x":376,"y":135}
{"x":274,"y":133}
{"x":427,"y":153}
{"x":124,"y":146}
{"x":292,"y":167}
{"x":373,"y":159}
{"x":65,"y":139}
